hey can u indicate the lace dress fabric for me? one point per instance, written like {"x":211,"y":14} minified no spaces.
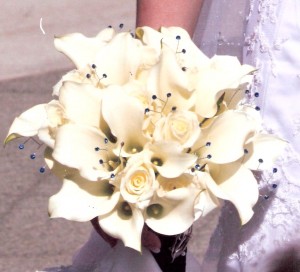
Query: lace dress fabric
{"x":271,"y":42}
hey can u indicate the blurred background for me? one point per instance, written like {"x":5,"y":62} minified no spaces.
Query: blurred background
{"x":30,"y":66}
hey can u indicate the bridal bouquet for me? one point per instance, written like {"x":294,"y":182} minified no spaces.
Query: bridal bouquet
{"x":148,"y":130}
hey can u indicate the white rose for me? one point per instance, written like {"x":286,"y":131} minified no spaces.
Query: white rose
{"x":178,"y":126}
{"x":138,"y":181}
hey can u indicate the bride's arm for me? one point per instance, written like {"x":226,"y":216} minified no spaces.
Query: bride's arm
{"x":157,"y":13}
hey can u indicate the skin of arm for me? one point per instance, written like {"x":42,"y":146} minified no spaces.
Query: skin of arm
{"x":157,"y":13}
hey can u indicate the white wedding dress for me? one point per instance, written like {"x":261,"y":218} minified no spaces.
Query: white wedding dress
{"x":271,"y":42}
{"x":266,"y":34}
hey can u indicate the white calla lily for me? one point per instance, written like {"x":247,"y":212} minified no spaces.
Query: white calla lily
{"x":206,"y":200}
{"x":224,"y":139}
{"x":169,"y":159}
{"x":262,"y":150}
{"x":174,"y":213}
{"x":116,"y":106}
{"x":82,"y":200}
{"x":28,"y":123}
{"x":221,"y":73}
{"x":81,"y":103}
{"x":169,"y":82}
{"x":82,"y":50}
{"x":236,"y":183}
{"x":84,"y":148}
{"x":124,"y":222}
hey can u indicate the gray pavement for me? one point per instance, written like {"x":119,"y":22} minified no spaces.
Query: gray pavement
{"x":29,"y":68}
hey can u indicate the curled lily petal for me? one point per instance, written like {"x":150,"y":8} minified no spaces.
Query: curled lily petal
{"x":206,"y":201}
{"x":80,"y":49}
{"x":82,"y":200}
{"x":235,"y":183}
{"x":262,"y":151}
{"x":169,"y":159}
{"x":83,"y":148}
{"x":222,"y":72}
{"x":224,"y":140}
{"x":173,"y":213}
{"x":168,"y":78}
{"x":122,"y":58}
{"x":116,"y":104}
{"x":58,"y":169}
{"x":124,"y":222}
{"x":81,"y":103}
{"x":28,"y":123}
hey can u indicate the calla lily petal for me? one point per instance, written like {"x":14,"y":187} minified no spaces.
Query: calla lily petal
{"x":121,"y":59}
{"x":174,"y":213}
{"x":169,"y":159}
{"x":235,"y":183}
{"x":76,"y":147}
{"x":222,"y":72}
{"x":80,"y":49}
{"x":81,"y":103}
{"x":205,"y":203}
{"x":58,"y":169}
{"x":125,"y":223}
{"x":262,"y":151}
{"x":82,"y":200}
{"x":28,"y":123}
{"x":129,"y":133}
{"x":236,"y":128}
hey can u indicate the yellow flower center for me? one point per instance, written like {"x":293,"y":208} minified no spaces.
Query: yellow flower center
{"x":137,"y":183}
{"x":179,"y":126}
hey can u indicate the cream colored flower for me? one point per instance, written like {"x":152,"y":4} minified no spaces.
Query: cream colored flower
{"x":262,"y":150}
{"x":124,"y":222}
{"x":236,"y":183}
{"x":179,"y":126}
{"x":124,"y":115}
{"x":219,"y":74}
{"x":79,"y":199}
{"x":172,"y":210}
{"x":224,"y":140}
{"x":149,"y":130}
{"x":138,"y":182}
{"x":116,"y":57}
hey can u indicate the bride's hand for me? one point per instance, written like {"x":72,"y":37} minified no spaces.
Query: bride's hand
{"x":149,"y":239}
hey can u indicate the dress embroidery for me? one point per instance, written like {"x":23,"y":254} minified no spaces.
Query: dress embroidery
{"x":270,"y":44}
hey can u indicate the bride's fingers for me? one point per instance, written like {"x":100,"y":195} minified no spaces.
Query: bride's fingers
{"x":150,"y":240}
